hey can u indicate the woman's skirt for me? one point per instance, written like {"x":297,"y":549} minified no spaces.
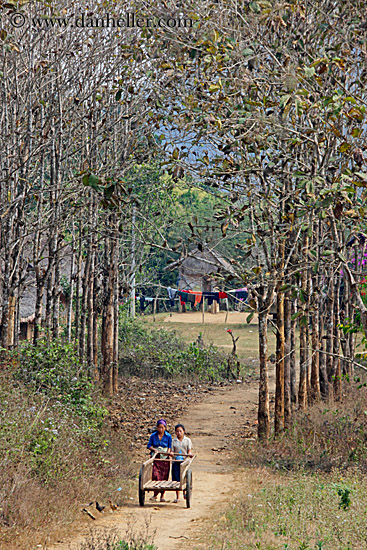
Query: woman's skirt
{"x":160,"y":471}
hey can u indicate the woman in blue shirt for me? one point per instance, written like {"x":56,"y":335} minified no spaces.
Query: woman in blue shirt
{"x":160,"y":440}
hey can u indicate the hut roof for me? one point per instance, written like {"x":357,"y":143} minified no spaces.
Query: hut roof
{"x":201,"y":263}
{"x":205,"y":262}
{"x":27,"y":303}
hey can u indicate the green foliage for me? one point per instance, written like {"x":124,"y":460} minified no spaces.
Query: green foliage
{"x":178,"y":207}
{"x":345,"y":501}
{"x":50,"y":444}
{"x":160,"y":352}
{"x":52,"y":367}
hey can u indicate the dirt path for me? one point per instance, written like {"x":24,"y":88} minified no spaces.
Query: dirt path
{"x":211,"y":424}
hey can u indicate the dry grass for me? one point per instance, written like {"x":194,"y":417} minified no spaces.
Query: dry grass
{"x":324,"y":437}
{"x":294,"y":512}
{"x":50,"y":466}
{"x":110,"y":539}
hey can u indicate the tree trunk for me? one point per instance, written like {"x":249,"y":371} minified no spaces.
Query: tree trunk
{"x":263,"y":410}
{"x":48,"y":315}
{"x":90,"y":318}
{"x":56,"y":296}
{"x":315,"y":365}
{"x":324,"y":384}
{"x":78,"y":286}
{"x":11,"y":320}
{"x":96,"y":310}
{"x":133,"y":263}
{"x":6,"y":297}
{"x":279,"y":371}
{"x":116,"y":311}
{"x":293,"y":364}
{"x":336,"y":359}
{"x":83,"y":308}
{"x":71,"y":294}
{"x":308,"y":339}
{"x":303,"y":355}
{"x":108,"y":325}
{"x":38,"y":312}
{"x":8,"y":221}
{"x":287,"y":359}
{"x":330,"y":334}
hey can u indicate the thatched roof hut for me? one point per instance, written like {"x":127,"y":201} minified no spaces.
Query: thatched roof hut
{"x":27,"y":305}
{"x":28,"y":292}
{"x":201,"y":270}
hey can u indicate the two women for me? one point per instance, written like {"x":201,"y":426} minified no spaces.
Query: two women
{"x":161,"y":442}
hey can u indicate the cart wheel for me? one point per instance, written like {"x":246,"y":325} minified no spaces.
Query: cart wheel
{"x":188,"y":488}
{"x":141,"y":490}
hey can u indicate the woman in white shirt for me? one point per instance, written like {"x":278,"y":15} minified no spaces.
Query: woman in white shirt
{"x":181,"y":446}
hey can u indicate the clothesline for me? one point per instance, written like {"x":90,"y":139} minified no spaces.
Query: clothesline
{"x":196,"y":297}
{"x":167,"y":287}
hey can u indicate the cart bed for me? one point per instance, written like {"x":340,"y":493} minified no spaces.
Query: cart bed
{"x":166,"y":485}
{"x":147,"y":484}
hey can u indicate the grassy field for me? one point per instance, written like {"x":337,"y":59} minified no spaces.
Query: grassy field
{"x":294,"y":512}
{"x":213,"y":330}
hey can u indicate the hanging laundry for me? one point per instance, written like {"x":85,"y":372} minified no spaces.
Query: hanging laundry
{"x":183,"y":296}
{"x":191,"y":297}
{"x":198,"y":296}
{"x":223,"y":295}
{"x":171,"y":295}
{"x":241,"y":294}
{"x":211,"y":296}
{"x":142,"y":302}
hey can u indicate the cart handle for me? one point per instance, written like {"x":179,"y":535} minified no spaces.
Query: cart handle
{"x":170,"y":458}
{"x":183,"y":454}
{"x":170,"y":453}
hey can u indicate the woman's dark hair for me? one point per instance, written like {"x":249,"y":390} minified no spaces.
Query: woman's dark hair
{"x":180,"y":426}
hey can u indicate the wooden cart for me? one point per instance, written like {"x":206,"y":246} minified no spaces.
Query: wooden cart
{"x":185,"y":484}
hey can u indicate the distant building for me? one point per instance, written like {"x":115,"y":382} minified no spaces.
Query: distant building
{"x":25,"y":307}
{"x":201,"y":270}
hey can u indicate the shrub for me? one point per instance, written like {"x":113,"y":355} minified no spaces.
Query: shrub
{"x":52,"y":367}
{"x":160,"y":352}
{"x":47,"y":450}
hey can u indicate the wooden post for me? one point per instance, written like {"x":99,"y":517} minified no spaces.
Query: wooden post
{"x":225,"y":321}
